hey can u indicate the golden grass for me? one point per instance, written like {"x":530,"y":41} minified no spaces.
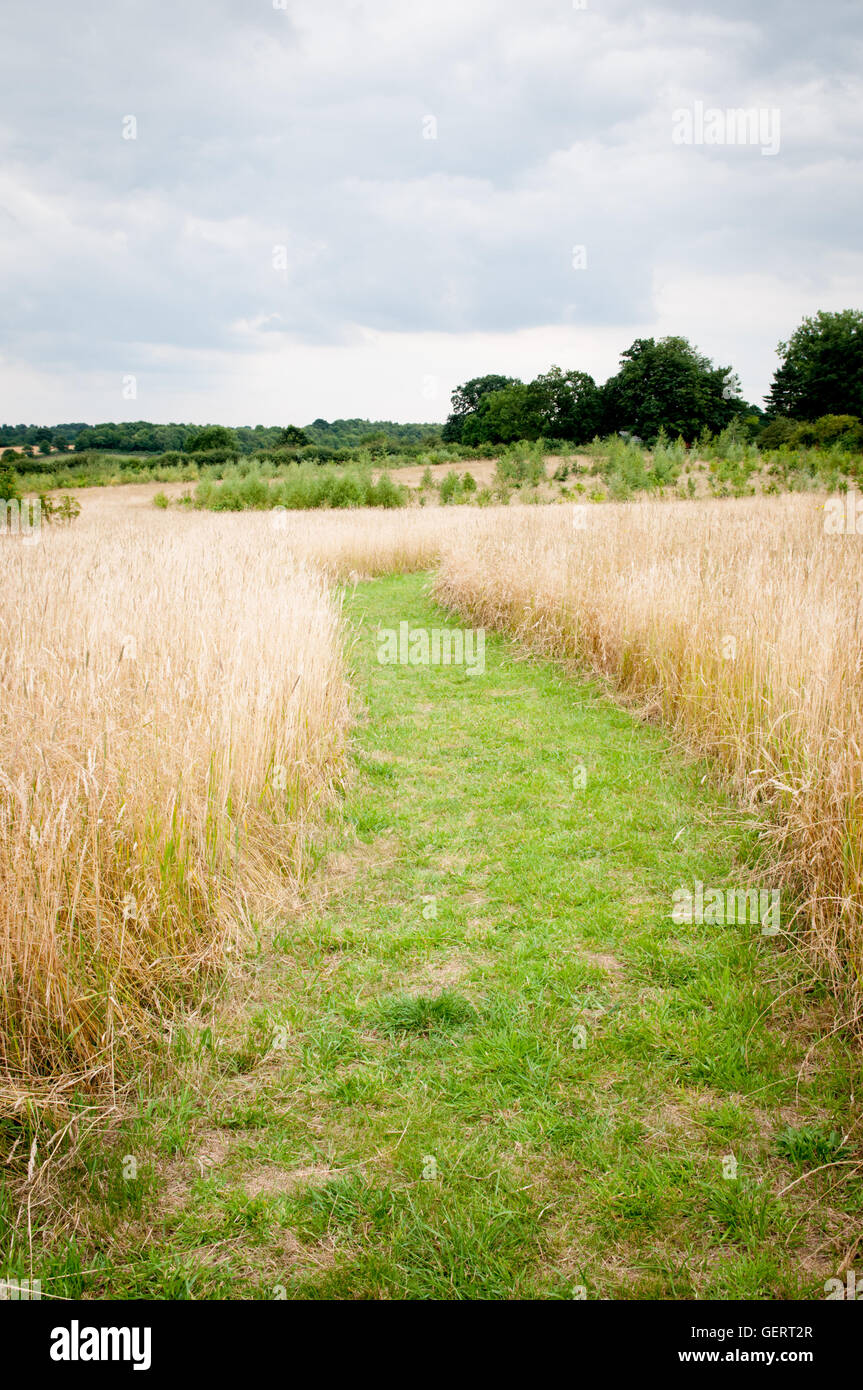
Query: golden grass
{"x":173,"y":703}
{"x":174,"y":706}
{"x":352,"y":545}
{"x":738,"y":625}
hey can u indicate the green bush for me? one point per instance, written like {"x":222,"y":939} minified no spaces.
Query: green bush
{"x":299,"y":487}
{"x":8,"y":483}
{"x":450,"y":488}
{"x":842,"y":431}
{"x":523,"y":462}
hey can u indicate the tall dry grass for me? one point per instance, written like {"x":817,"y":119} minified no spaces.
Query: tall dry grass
{"x":739,"y":626}
{"x":172,"y":705}
{"x":366,"y":544}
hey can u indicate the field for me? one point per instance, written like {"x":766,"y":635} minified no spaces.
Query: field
{"x":337,"y":975}
{"x":185,"y":708}
{"x":721,"y":465}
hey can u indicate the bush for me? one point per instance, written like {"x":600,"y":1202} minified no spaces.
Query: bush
{"x":450,"y":488}
{"x":8,"y":483}
{"x":66,"y":510}
{"x":301,"y":487}
{"x":522,"y":463}
{"x":218,"y":455}
{"x":778,"y":433}
{"x":384,"y":493}
{"x":841,"y":431}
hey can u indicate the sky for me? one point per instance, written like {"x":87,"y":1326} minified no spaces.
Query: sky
{"x":268,"y":211}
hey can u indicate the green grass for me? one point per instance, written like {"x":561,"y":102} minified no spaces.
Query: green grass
{"x":482,"y":1061}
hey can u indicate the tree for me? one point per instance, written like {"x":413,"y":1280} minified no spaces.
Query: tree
{"x":293,"y":437}
{"x":500,"y":410}
{"x":570,"y":405}
{"x":466,"y":401}
{"x":668,"y":385}
{"x":516,"y":412}
{"x":821,"y":372}
{"x":211,"y":437}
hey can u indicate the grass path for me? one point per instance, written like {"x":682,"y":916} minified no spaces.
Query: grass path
{"x":483,"y":1061}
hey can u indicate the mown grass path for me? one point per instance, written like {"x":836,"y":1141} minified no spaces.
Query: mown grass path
{"x":483,"y":1061}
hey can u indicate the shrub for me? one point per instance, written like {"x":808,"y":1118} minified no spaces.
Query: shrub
{"x":384,"y":493}
{"x":300,"y":487}
{"x":66,"y":510}
{"x":8,"y":483}
{"x":779,"y":432}
{"x":522,"y":463}
{"x":843,"y":431}
{"x":450,"y":488}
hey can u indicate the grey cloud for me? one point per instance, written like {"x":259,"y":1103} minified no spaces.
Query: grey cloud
{"x":304,"y":128}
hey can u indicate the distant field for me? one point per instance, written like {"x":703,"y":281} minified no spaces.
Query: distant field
{"x":615,"y":468}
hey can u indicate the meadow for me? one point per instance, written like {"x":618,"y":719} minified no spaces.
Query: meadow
{"x":722,"y":464}
{"x":268,"y":905}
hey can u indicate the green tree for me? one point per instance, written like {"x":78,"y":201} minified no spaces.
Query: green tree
{"x":668,"y":385}
{"x":293,"y":437}
{"x":821,"y":372}
{"x":211,"y":437}
{"x":569,"y":405}
{"x":504,"y":416}
{"x":466,"y":401}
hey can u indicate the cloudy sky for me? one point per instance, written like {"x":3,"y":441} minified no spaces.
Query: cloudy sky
{"x":265,"y":211}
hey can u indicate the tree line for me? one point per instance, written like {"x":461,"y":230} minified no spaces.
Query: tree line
{"x":663,"y":385}
{"x":143,"y":437}
{"x":666,"y":385}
